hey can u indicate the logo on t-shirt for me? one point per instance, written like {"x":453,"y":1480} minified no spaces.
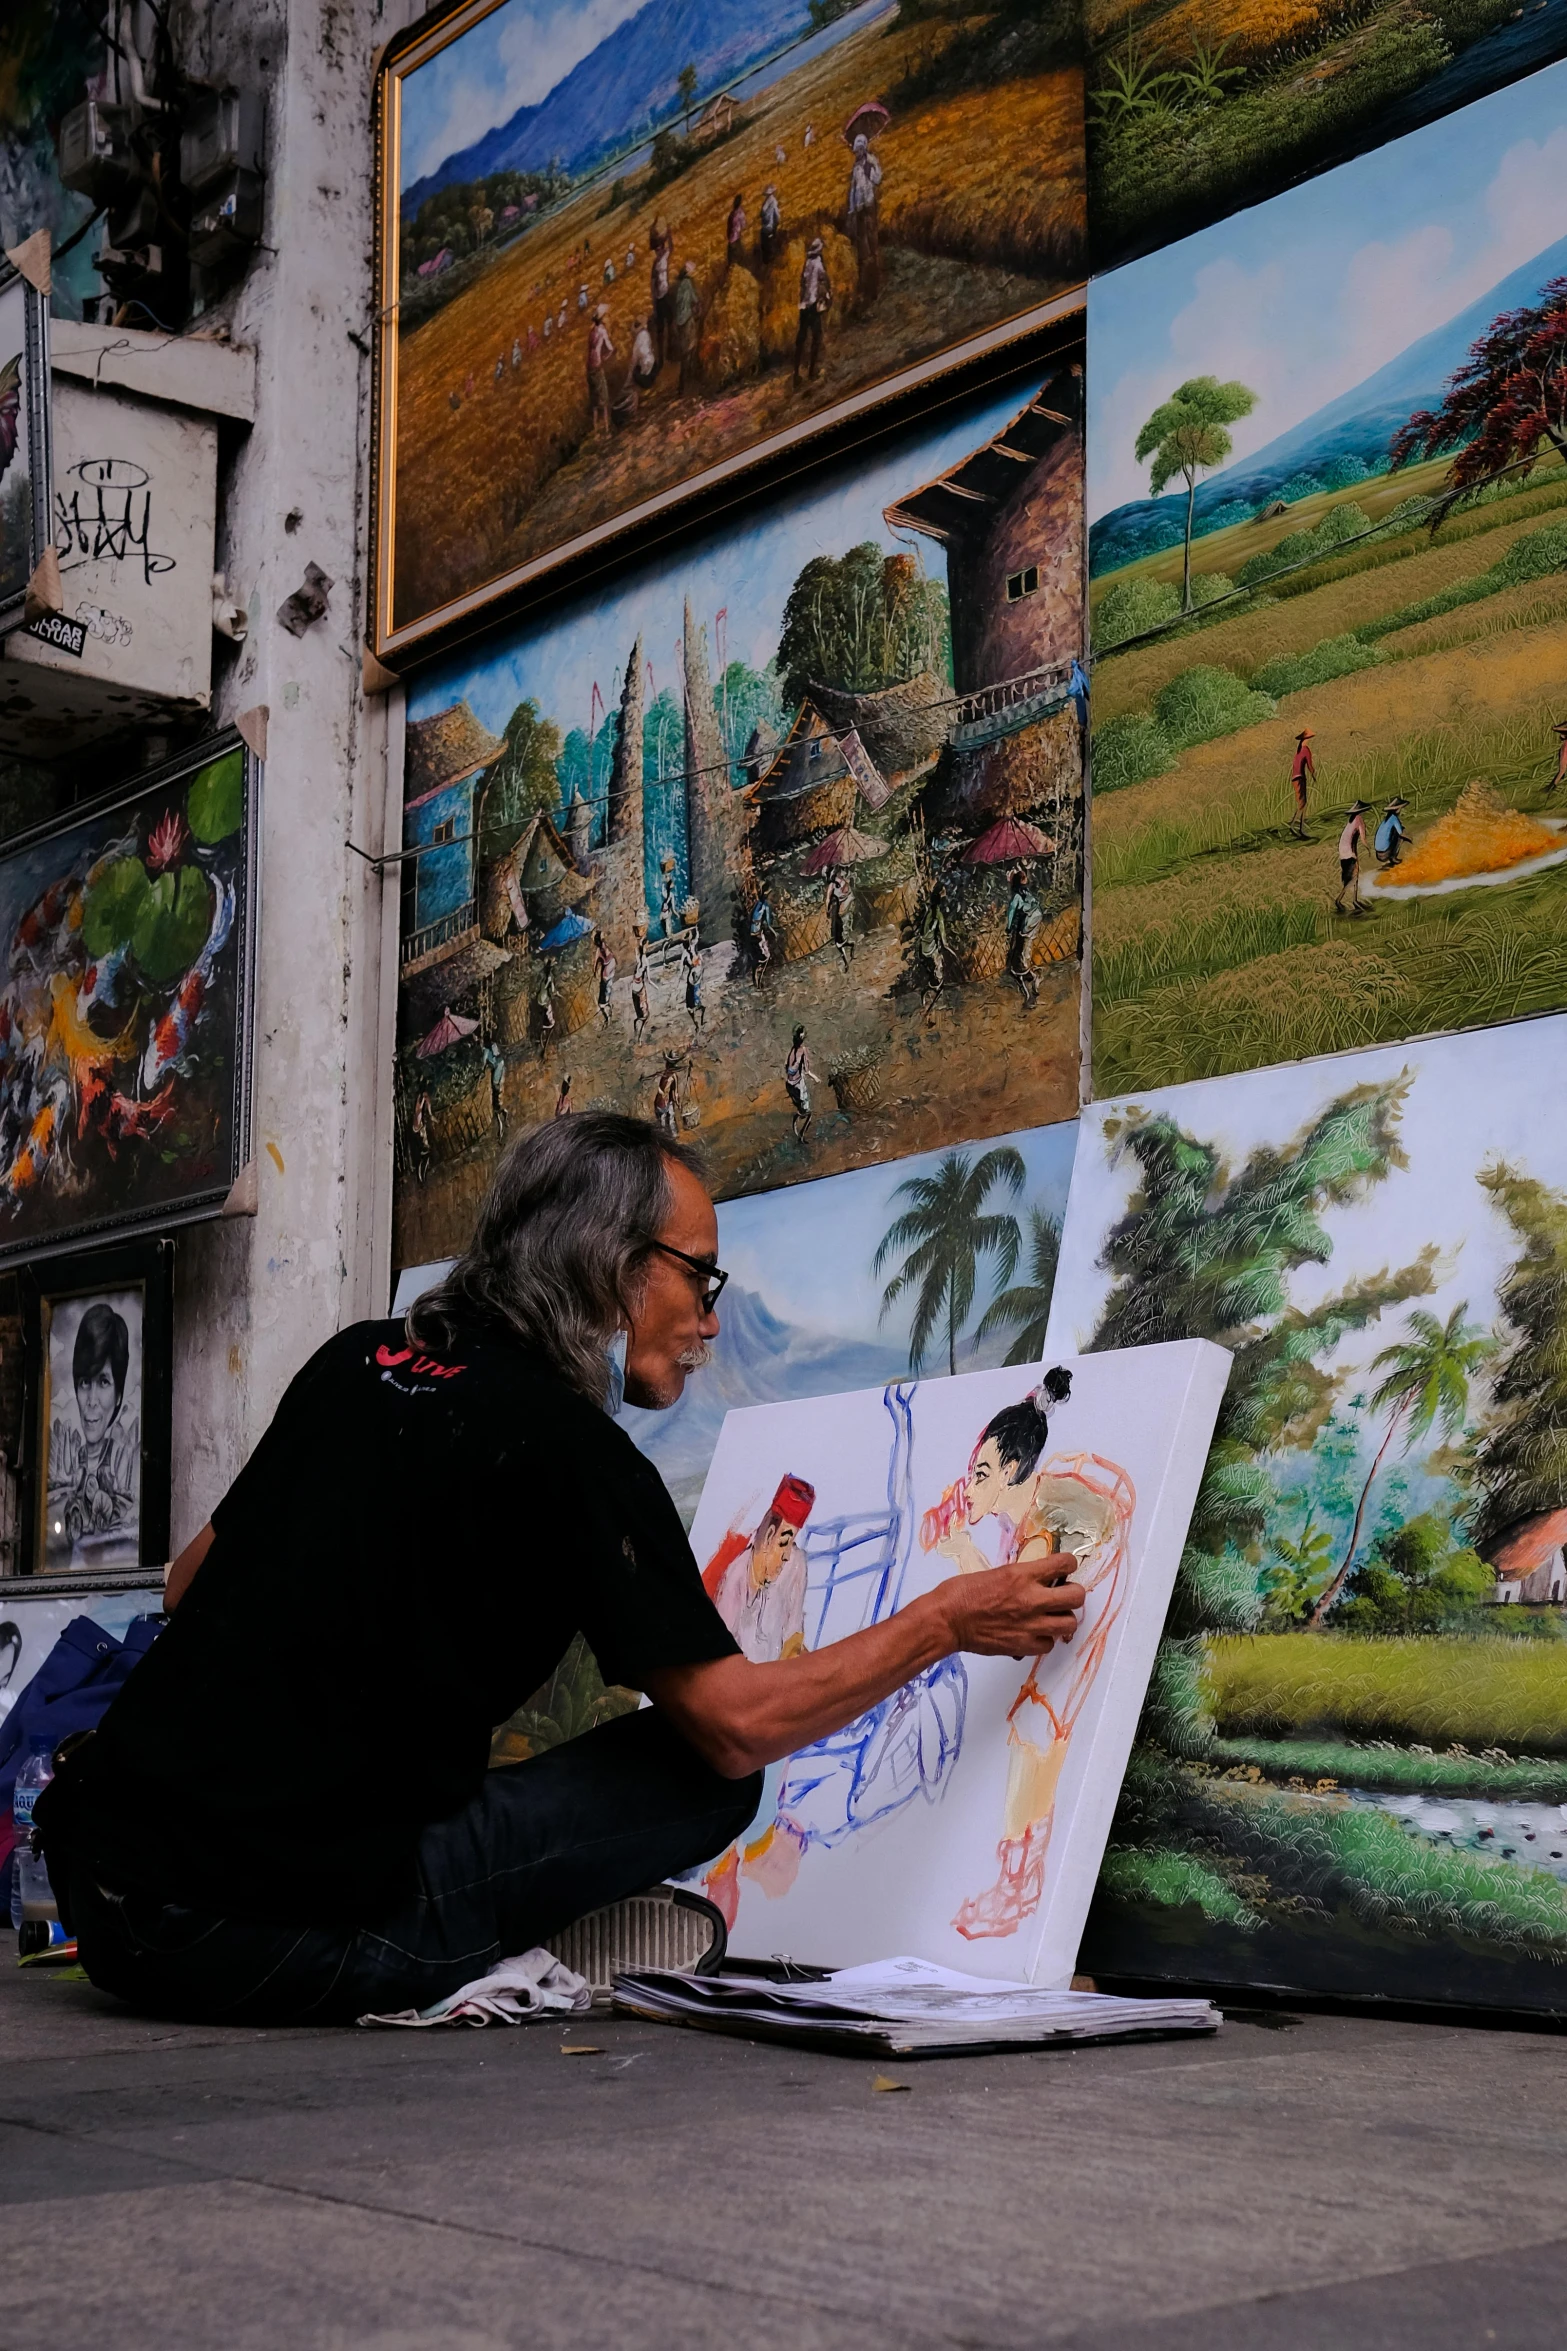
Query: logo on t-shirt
{"x":416,"y":1370}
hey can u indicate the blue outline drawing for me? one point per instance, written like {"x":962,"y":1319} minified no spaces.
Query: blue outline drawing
{"x":906,"y":1746}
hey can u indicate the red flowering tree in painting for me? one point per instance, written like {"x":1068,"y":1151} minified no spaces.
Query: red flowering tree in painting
{"x":1508,"y":398}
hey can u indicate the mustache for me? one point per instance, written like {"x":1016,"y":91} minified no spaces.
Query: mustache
{"x":695,"y":1358}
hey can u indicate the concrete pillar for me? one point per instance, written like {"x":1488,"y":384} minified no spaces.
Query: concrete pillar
{"x":256,"y":1296}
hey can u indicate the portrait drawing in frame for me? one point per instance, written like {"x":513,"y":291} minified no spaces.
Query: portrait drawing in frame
{"x":96,"y":1472}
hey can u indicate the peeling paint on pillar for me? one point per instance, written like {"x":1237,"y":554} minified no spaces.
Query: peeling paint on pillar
{"x":256,"y":1296}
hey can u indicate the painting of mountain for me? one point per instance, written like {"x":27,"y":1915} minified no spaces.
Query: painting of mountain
{"x":1351,"y":1776}
{"x":807,"y":1310}
{"x":594,"y":258}
{"x":619,"y":93}
{"x":1345,"y":441}
{"x":1199,"y":107}
{"x":1328,"y":533}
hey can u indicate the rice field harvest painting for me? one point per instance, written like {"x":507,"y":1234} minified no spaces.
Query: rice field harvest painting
{"x":1328,"y":586}
{"x":1197,"y":108}
{"x":1351,"y":1775}
{"x":779,"y":843}
{"x":629,"y":249}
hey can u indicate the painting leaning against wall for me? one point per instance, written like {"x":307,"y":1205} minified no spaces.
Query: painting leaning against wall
{"x":1328,"y":556}
{"x":1352,"y":1770}
{"x":622,"y":254}
{"x":1199,"y":107}
{"x":779,"y":843}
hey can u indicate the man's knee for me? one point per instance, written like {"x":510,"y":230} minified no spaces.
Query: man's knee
{"x":747,"y":1799}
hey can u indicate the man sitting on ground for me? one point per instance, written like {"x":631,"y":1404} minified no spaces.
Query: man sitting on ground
{"x":242,"y":1840}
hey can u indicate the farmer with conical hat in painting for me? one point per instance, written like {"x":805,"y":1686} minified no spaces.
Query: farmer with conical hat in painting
{"x":1303,"y":770}
{"x":1350,"y":843}
{"x":1391,"y":835}
{"x":865,"y":208}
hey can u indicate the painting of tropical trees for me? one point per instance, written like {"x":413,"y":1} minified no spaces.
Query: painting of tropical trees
{"x":944,"y":1232}
{"x":1352,"y":1763}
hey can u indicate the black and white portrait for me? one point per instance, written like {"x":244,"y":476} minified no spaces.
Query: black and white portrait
{"x":92,"y":1476}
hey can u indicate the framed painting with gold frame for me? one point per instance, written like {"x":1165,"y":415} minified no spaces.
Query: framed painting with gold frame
{"x":617,"y":275}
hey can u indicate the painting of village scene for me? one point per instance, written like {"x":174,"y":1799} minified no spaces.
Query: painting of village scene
{"x":1328,"y":586}
{"x":1197,"y":108}
{"x":1352,"y":1772}
{"x":780,"y":844}
{"x":124,"y":1016}
{"x":628,"y":245}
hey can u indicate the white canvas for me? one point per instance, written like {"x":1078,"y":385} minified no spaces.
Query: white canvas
{"x":889,"y":1837}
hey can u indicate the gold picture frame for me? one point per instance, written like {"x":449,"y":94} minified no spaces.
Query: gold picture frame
{"x":501,"y":460}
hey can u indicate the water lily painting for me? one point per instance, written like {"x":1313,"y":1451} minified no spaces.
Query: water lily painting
{"x":125,"y":1008}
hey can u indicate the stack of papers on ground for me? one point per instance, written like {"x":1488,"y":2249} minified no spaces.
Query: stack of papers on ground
{"x":900,"y":2007}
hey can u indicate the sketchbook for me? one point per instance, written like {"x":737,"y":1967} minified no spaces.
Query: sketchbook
{"x":902,"y":2007}
{"x":965,"y":1817}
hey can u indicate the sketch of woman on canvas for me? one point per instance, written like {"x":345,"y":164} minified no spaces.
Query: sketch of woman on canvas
{"x":93,"y":1485}
{"x":1077,"y":1503}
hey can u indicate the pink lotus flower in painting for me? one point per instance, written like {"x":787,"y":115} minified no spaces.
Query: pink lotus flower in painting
{"x":166,"y":842}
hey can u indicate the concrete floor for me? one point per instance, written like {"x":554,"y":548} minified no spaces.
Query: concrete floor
{"x":1300,"y":2183}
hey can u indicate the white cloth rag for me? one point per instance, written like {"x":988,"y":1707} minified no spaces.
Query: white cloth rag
{"x":533,"y":1984}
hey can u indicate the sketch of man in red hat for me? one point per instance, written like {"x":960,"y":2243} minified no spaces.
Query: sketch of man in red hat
{"x":757,"y":1581}
{"x":1303,"y":770}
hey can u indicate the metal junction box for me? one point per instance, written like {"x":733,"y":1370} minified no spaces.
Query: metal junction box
{"x":135,"y":424}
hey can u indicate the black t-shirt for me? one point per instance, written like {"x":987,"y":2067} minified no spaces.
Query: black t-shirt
{"x":405,"y":1558}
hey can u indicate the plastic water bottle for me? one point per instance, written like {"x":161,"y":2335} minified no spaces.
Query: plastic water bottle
{"x":32,"y":1897}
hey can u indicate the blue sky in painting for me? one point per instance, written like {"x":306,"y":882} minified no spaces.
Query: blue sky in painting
{"x":746,"y":565}
{"x":1305,"y":296}
{"x":513,"y":57}
{"x":807,"y":1250}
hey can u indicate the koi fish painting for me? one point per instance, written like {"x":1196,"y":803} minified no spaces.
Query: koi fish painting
{"x":125,"y":1006}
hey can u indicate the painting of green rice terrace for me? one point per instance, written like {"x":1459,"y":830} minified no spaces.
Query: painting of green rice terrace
{"x":1351,"y":1776}
{"x":1327,"y":596}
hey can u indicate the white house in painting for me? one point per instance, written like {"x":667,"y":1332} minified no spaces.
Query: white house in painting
{"x":1530,"y":1561}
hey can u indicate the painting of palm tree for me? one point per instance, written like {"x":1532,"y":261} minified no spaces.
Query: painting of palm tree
{"x":1026,"y":1306}
{"x":1427,"y":1386}
{"x":944,"y":1232}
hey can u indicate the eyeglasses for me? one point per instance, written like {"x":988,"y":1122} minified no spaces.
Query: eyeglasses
{"x":713,"y":1276}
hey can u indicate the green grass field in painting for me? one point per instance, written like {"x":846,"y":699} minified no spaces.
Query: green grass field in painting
{"x":1482,"y":1692}
{"x":1418,"y":662}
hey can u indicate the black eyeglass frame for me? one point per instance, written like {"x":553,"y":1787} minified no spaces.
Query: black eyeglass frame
{"x":713,"y":1276}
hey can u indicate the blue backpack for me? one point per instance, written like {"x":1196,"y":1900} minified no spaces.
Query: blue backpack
{"x":70,"y":1692}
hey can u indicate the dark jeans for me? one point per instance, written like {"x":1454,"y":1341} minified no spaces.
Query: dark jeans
{"x":543,"y":1843}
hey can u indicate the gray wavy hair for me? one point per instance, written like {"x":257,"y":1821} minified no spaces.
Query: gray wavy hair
{"x":565,"y":1230}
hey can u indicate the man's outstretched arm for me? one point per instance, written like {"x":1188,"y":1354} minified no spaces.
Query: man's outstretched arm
{"x":739,"y":1716}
